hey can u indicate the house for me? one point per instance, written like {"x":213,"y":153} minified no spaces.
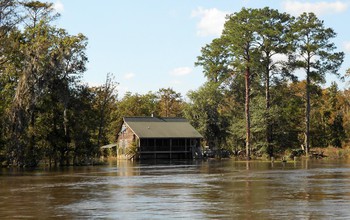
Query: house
{"x":158,"y":138}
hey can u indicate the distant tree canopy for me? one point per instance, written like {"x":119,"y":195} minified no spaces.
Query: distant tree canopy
{"x":251,"y":102}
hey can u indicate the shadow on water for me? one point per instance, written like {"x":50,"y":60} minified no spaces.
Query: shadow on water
{"x":180,"y":189}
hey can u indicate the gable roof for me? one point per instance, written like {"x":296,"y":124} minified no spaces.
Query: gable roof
{"x":154,"y":127}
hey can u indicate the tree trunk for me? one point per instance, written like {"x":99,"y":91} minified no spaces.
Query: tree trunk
{"x":31,"y":154}
{"x":307,"y":114}
{"x":268,"y":123}
{"x":247,"y":111}
{"x":100,"y":126}
{"x":102,"y":116}
{"x":66,"y":133}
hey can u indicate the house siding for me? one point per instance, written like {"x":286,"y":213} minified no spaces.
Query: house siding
{"x":125,"y":139}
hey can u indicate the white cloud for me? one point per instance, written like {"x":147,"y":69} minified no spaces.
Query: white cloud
{"x":346,"y":46}
{"x":181,"y":71}
{"x":211,"y":21}
{"x":129,"y":75}
{"x":319,"y":8}
{"x":58,"y":6}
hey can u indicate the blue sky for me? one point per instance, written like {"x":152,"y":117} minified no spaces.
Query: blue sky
{"x":153,"y":44}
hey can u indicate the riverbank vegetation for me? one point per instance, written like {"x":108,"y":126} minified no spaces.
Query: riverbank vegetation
{"x":252,"y":103}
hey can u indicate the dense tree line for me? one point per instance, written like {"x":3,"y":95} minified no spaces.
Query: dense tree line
{"x":47,"y":113}
{"x":251,"y":101}
{"x":250,"y":52}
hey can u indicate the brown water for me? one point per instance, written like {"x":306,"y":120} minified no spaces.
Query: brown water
{"x":186,"y":190}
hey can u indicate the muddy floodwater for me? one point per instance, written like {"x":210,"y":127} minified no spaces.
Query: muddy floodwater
{"x":213,"y":189}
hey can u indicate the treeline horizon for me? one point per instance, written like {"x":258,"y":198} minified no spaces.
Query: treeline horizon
{"x":251,"y":101}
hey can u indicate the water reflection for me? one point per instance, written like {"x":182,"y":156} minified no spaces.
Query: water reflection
{"x":180,"y":189}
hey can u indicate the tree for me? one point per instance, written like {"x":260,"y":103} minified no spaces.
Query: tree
{"x":344,"y":103}
{"x":169,"y":103}
{"x":205,"y":113}
{"x":106,"y":96}
{"x":287,"y":100}
{"x":68,"y":63}
{"x":315,"y":54}
{"x":240,"y":35}
{"x":250,"y":40}
{"x":9,"y":50}
{"x":37,"y":12}
{"x":48,"y":65}
{"x":84,"y":120}
{"x":135,"y":105}
{"x":215,"y":61}
{"x":334,"y":124}
{"x":272,"y":39}
{"x":9,"y":18}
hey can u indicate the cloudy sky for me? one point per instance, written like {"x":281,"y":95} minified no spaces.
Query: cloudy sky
{"x":153,"y":44}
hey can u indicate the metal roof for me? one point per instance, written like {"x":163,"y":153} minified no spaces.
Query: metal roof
{"x":154,"y":127}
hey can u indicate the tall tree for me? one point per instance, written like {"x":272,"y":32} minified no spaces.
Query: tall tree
{"x":239,"y":34}
{"x":50,"y":62}
{"x":68,"y":61}
{"x":315,"y":55}
{"x":32,"y":70}
{"x":9,"y":18}
{"x":272,"y":39}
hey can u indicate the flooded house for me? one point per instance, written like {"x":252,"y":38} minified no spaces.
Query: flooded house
{"x":158,"y":138}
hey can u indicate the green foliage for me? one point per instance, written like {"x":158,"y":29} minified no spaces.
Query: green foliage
{"x":132,"y":149}
{"x":105,"y":103}
{"x":169,"y":103}
{"x":215,"y":60}
{"x":287,"y":126}
{"x":251,"y":39}
{"x":43,"y":67}
{"x":135,"y":105}
{"x":248,"y":102}
{"x":314,"y":53}
{"x":206,"y":113}
{"x":313,"y":47}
